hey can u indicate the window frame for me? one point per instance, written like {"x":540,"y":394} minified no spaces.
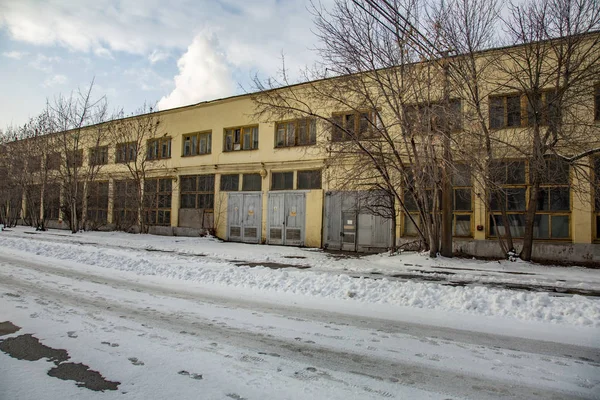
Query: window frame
{"x":197,"y":193}
{"x":154,"y":213}
{"x":238,"y":138}
{"x":310,"y":125}
{"x":196,"y":148}
{"x":273,"y":173}
{"x":505,"y":111}
{"x":126,"y":152}
{"x":521,"y":213}
{"x":339,"y":130}
{"x":310,"y":186}
{"x":95,"y":196}
{"x":235,"y":184}
{"x":155,"y":149}
{"x":93,"y":155}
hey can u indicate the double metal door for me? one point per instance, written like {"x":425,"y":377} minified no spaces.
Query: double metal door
{"x":244,"y":217}
{"x":286,"y":218}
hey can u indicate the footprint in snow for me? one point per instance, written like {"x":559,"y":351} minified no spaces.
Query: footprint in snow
{"x":192,"y":375}
{"x":110,"y":344}
{"x":135,"y":361}
{"x":72,"y":334}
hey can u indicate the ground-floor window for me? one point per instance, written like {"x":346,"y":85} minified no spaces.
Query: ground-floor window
{"x":97,"y":203}
{"x":198,"y":191}
{"x":157,"y":201}
{"x":52,"y":202}
{"x":511,"y":196}
{"x":125,"y":214}
{"x":596,"y":183}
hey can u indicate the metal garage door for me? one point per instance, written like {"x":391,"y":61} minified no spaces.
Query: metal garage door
{"x":244,"y":217}
{"x":286,"y":218}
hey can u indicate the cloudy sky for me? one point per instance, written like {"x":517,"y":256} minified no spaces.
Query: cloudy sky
{"x":172,"y":53}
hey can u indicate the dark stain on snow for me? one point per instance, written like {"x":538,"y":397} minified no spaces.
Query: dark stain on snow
{"x":272,"y":265}
{"x":28,"y":347}
{"x":83,"y":376}
{"x":7,"y":327}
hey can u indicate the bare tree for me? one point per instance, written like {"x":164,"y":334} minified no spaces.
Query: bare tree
{"x":555,"y":64}
{"x":138,"y":147}
{"x":395,"y":113}
{"x":72,"y":121}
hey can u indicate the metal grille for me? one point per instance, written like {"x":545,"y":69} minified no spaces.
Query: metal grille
{"x":250,"y":232}
{"x":348,"y":238}
{"x":235,"y":231}
{"x":275,"y":233}
{"x":292,"y":234}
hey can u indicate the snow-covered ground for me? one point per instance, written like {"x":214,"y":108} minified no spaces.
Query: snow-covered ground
{"x":155,"y":313}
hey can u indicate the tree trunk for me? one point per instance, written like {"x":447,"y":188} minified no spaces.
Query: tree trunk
{"x":527,"y":249}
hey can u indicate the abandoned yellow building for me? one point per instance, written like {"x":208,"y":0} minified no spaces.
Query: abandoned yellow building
{"x":215,"y":165}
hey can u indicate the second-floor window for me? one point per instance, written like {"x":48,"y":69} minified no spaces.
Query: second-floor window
{"x":505,"y":111}
{"x":197,"y":143}
{"x":299,"y":132}
{"x":99,"y":155}
{"x":241,"y":138}
{"x":159,"y":149}
{"x":354,"y":126}
{"x":432,"y":117}
{"x":53,"y":161}
{"x":75,"y":159}
{"x":126,"y":152}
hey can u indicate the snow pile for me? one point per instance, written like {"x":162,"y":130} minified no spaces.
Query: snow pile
{"x":576,"y":310}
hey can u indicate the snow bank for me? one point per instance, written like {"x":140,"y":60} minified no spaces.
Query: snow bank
{"x":576,"y":310}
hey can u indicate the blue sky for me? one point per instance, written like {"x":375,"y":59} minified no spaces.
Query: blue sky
{"x":173,"y":53}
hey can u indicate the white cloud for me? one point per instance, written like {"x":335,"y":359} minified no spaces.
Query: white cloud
{"x":146,"y":79}
{"x":44,"y":63}
{"x":203,"y":75}
{"x":55,"y":80}
{"x":103,"y":52}
{"x":158,"y":55}
{"x":16,"y":55}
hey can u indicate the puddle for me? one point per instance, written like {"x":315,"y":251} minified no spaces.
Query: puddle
{"x":7,"y":327}
{"x":300,"y":257}
{"x":83,"y":376}
{"x":271,"y":265}
{"x":28,"y":347}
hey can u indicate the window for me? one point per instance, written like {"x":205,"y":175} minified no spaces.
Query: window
{"x":242,"y":138}
{"x":505,"y":111}
{"x":197,"y":143}
{"x":125,"y":214}
{"x":97,"y":202}
{"x":544,"y":109}
{"x":428,"y":118}
{"x":75,"y":159}
{"x":52,"y":202}
{"x":34,"y":164}
{"x":159,"y":149}
{"x":462,"y":201}
{"x":252,"y":183}
{"x":99,"y":155}
{"x":230,"y":183}
{"x":596,"y":173}
{"x":309,"y":179}
{"x":354,"y":125}
{"x":597,"y":103}
{"x":282,"y":181}
{"x":552,"y":220}
{"x":300,"y":132}
{"x":53,"y":161}
{"x":198,"y":191}
{"x":126,"y":152}
{"x":157,"y":201}
{"x":510,"y":195}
